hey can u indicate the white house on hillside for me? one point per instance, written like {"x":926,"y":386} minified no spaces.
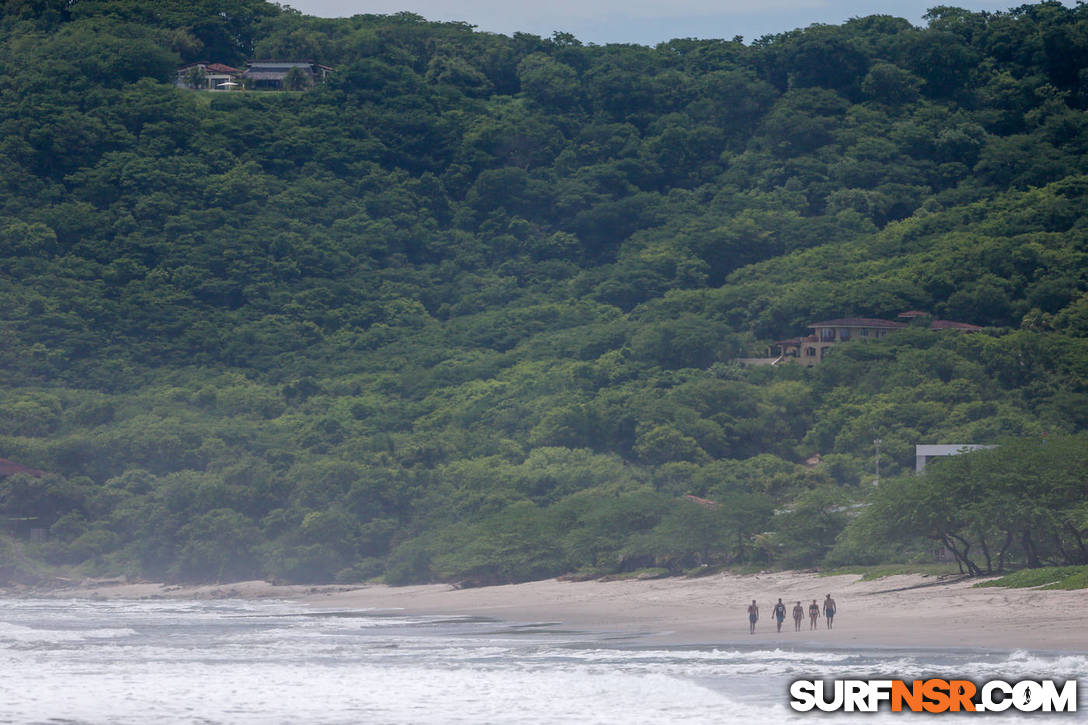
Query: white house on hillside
{"x":925,"y":454}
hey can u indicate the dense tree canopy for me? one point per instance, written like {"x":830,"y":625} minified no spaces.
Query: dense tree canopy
{"x":469,"y":309}
{"x":1024,"y":501}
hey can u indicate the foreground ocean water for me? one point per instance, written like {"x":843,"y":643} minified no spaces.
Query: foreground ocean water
{"x":230,"y":661}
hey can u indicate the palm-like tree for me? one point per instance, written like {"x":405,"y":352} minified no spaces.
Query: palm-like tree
{"x":296,"y":79}
{"x":195,"y":77}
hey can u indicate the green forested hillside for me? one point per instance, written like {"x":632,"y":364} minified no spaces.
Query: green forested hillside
{"x":469,"y":310}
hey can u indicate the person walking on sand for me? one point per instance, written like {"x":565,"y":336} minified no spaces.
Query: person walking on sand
{"x":753,"y":617}
{"x":779,"y":613}
{"x":829,"y":611}
{"x":813,"y":614}
{"x":798,"y":615}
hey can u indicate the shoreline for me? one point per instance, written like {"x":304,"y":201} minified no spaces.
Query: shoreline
{"x":896,"y":612}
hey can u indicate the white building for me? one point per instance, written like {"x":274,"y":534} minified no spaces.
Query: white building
{"x":924,"y":454}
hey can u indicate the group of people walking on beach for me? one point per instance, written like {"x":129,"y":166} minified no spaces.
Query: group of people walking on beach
{"x":779,"y":614}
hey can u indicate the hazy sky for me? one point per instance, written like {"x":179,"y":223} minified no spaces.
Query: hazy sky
{"x":643,"y":21}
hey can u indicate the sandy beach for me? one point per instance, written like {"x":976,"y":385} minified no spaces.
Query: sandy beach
{"x":899,"y":611}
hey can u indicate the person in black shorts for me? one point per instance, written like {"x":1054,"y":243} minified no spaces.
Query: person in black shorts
{"x":829,"y":611}
{"x":779,"y":613}
{"x":753,"y":617}
{"x":813,"y":614}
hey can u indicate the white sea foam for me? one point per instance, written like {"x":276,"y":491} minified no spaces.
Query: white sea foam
{"x":18,"y":633}
{"x":251,"y":663}
{"x":313,"y":694}
{"x":1022,"y":664}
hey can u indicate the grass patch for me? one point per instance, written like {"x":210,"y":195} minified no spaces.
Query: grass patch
{"x":879,"y":571}
{"x":1046,"y":577}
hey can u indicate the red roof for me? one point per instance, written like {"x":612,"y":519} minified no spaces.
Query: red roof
{"x":10,"y":468}
{"x":858,"y":322}
{"x":214,"y":67}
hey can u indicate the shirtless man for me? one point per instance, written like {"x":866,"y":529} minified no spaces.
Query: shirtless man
{"x":813,"y":614}
{"x":753,"y":617}
{"x":798,"y":615}
{"x":829,"y":611}
{"x":779,"y":613}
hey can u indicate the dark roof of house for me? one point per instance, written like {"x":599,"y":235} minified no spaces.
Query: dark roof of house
{"x":858,"y":322}
{"x":281,"y":66}
{"x":10,"y":468}
{"x":275,"y":70}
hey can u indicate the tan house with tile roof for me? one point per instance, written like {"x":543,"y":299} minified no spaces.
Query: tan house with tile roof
{"x":812,"y":349}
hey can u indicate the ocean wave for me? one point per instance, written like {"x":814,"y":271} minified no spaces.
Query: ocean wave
{"x":28,"y":635}
{"x":421,"y":694}
{"x":187,"y":660}
{"x":1022,"y":664}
